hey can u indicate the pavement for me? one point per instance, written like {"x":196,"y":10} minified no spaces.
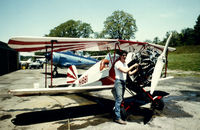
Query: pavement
{"x":93,"y":110}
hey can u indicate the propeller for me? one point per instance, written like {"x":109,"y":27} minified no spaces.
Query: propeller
{"x":159,"y":66}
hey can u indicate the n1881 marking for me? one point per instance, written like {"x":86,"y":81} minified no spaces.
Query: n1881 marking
{"x":83,"y":80}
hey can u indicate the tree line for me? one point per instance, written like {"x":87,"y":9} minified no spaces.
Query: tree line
{"x":122,"y":25}
{"x":187,"y":36}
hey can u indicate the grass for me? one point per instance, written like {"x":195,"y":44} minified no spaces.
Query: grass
{"x":185,"y":58}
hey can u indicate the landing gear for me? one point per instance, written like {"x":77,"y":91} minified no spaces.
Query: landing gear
{"x":132,"y":105}
{"x":55,"y":72}
{"x":157,"y":104}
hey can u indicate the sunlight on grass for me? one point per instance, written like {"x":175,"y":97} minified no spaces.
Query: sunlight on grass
{"x":185,"y":58}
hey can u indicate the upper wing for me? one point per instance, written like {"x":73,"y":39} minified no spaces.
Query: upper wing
{"x":130,"y":45}
{"x":31,"y":44}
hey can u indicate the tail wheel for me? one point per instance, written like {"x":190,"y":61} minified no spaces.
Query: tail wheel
{"x":158,"y":104}
{"x":55,"y":73}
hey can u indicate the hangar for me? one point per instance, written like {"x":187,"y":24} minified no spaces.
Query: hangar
{"x":8,"y":58}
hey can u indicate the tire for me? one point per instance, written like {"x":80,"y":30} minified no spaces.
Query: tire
{"x":55,"y":73}
{"x":158,"y":104}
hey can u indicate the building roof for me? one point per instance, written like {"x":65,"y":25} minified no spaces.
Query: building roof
{"x":5,"y":46}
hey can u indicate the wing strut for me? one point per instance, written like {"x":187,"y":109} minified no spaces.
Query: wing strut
{"x":116,"y":45}
{"x":52,"y":42}
{"x":46,"y":68}
{"x":166,"y":64}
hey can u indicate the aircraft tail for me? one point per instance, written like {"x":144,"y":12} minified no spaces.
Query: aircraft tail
{"x":72,"y":74}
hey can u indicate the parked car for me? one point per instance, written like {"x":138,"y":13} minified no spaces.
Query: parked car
{"x":36,"y":64}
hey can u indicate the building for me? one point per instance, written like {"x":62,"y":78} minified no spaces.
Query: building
{"x":8,"y":58}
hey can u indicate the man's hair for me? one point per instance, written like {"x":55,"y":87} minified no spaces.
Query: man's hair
{"x":121,"y":52}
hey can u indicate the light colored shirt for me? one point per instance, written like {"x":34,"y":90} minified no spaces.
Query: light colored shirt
{"x":119,"y":74}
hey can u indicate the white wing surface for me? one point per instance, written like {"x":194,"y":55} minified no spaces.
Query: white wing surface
{"x":42,"y":91}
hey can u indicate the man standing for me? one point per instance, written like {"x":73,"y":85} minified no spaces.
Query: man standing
{"x":121,"y":70}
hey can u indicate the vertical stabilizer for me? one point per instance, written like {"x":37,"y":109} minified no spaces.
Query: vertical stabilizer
{"x":72,"y":74}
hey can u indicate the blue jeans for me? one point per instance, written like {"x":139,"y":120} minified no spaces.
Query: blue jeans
{"x":118,"y":93}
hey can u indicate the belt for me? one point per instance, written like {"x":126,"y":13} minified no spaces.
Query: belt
{"x":121,"y":80}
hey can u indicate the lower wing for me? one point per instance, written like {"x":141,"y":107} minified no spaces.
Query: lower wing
{"x":47,"y":91}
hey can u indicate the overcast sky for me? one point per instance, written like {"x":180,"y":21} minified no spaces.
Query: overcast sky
{"x":153,"y":17}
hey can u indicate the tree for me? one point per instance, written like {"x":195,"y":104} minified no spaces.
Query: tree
{"x":187,"y":36}
{"x":120,"y":25}
{"x":148,"y":41}
{"x":175,"y":39}
{"x":98,"y":35}
{"x":197,"y":31}
{"x":85,"y":30}
{"x":156,"y":40}
{"x":72,"y":28}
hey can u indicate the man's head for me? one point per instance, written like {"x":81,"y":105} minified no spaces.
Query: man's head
{"x":122,"y":54}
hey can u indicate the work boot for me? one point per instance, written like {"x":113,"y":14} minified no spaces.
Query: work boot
{"x":120,"y":121}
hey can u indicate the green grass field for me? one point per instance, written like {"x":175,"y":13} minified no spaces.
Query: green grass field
{"x":185,"y":58}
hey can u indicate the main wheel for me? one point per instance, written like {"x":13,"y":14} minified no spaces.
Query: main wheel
{"x":158,"y":104}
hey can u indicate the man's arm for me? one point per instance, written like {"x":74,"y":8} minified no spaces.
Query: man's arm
{"x":126,"y":70}
{"x":133,"y":72}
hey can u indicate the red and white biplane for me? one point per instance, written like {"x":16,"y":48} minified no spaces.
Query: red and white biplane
{"x":151,"y":58}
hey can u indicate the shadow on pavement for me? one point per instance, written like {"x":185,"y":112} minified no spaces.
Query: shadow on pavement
{"x":103,"y":106}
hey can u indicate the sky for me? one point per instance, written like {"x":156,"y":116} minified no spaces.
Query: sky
{"x":153,"y":17}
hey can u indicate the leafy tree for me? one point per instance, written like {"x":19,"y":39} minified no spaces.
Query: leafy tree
{"x":175,"y":40}
{"x":98,"y":35}
{"x":148,"y":41}
{"x":165,"y":39}
{"x":197,"y":31}
{"x":85,"y":30}
{"x":156,"y":40}
{"x":178,"y":39}
{"x":187,"y":36}
{"x":120,"y":25}
{"x":72,"y":28}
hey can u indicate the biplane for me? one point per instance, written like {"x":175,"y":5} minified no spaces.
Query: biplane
{"x":150,"y":57}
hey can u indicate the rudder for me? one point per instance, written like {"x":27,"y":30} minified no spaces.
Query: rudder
{"x":72,"y":74}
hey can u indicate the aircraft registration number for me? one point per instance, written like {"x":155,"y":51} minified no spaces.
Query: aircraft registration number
{"x":83,"y":80}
